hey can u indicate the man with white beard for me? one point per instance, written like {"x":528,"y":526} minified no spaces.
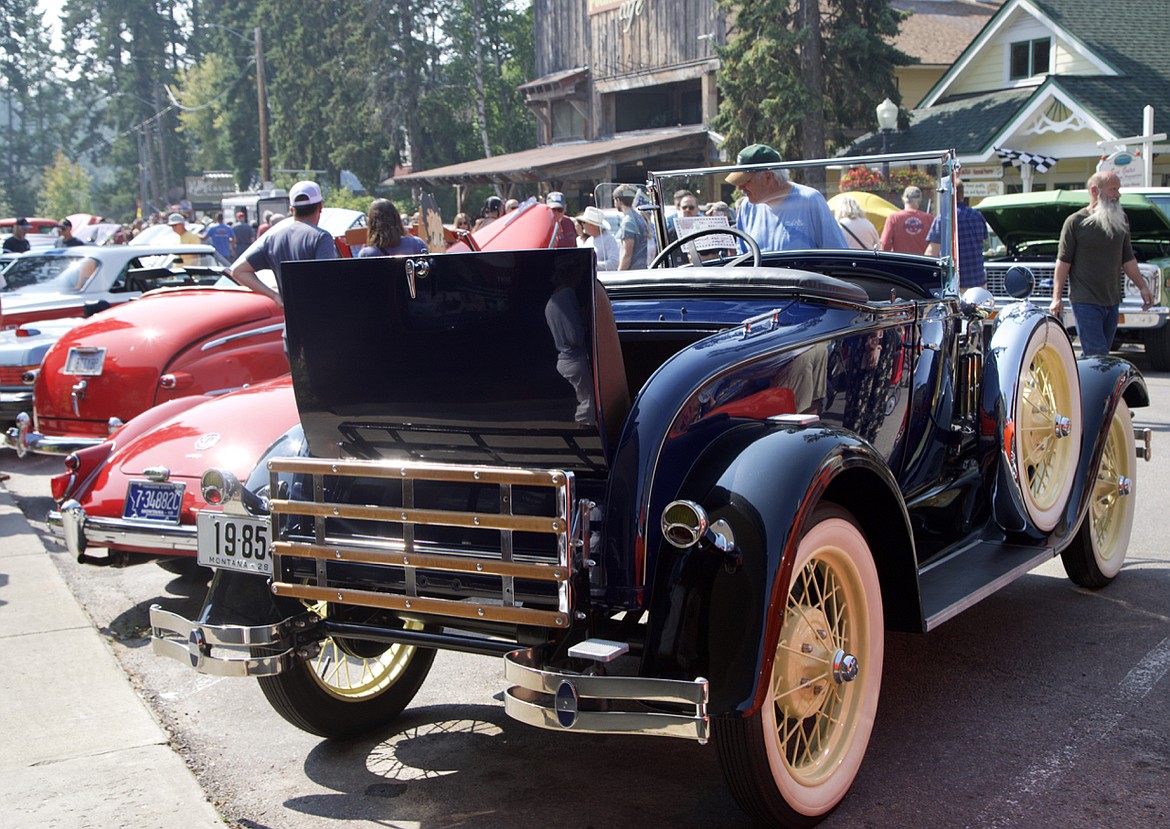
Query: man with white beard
{"x":1094,"y":248}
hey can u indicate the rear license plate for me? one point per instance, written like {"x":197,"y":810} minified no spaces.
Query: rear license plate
{"x":85,"y":361}
{"x":153,"y":501}
{"x":233,"y":542}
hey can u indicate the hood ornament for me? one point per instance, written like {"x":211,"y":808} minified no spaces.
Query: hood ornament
{"x":207,"y":441}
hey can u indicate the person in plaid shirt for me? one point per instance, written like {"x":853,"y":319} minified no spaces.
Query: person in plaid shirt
{"x":972,"y":230}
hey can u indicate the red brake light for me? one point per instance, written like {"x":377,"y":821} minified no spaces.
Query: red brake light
{"x":72,"y":462}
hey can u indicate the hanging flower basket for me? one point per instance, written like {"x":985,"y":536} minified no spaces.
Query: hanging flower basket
{"x":869,"y":180}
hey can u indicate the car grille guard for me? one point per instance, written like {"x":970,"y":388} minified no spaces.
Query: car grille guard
{"x":1044,"y":275}
{"x":412,"y":558}
{"x":358,"y":565}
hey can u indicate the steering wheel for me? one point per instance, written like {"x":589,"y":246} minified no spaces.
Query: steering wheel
{"x":753,"y":248}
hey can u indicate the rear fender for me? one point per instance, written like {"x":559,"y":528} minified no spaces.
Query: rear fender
{"x":153,"y":417}
{"x":713,"y":616}
{"x":1104,"y":381}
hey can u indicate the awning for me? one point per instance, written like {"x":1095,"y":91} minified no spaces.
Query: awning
{"x":575,"y":161}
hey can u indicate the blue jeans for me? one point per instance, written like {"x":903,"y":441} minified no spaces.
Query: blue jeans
{"x":1096,"y":325}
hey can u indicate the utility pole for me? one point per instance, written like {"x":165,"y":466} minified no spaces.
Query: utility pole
{"x":262,"y":104}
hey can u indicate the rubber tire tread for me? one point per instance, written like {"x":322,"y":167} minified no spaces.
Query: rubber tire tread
{"x":298,"y":697}
{"x":742,"y":757}
{"x":739,"y":763}
{"x":1078,"y":558}
{"x":1157,"y":344}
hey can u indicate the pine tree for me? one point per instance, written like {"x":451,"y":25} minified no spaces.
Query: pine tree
{"x":790,"y":66}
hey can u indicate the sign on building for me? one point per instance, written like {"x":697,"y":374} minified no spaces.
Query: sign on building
{"x":981,"y":187}
{"x":1127,"y":166}
{"x":983,"y":171}
{"x":209,"y":187}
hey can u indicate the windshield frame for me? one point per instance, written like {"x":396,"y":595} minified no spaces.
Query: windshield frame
{"x":942,"y":165}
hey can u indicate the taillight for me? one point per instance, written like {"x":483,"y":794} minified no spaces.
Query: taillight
{"x":61,"y":486}
{"x":79,"y":470}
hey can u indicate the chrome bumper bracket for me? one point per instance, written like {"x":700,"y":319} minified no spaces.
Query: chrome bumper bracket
{"x":180,"y":639}
{"x":595,"y":704}
{"x":1143,"y":437}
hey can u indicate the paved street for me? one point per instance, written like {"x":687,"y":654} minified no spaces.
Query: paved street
{"x":1044,"y":705}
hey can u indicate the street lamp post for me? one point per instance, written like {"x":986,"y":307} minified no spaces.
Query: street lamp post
{"x":887,"y":116}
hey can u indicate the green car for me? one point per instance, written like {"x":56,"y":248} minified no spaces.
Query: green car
{"x":1028,"y":225}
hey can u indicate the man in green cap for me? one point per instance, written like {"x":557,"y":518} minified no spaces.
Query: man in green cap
{"x":778,"y":213}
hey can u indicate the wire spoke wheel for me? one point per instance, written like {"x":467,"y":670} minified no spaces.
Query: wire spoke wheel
{"x":793,"y":762}
{"x":351,"y":687}
{"x":1047,"y":426}
{"x":1097,"y":552}
{"x":349,"y":675}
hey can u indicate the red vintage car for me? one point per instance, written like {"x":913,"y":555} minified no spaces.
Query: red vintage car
{"x":139,"y":490}
{"x":171,"y":343}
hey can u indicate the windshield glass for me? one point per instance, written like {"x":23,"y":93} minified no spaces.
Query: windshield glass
{"x":1162,"y":203}
{"x":835,"y":204}
{"x":57,"y":274}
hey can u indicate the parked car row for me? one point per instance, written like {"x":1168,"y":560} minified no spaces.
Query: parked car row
{"x":141,"y":399}
{"x":680,"y":501}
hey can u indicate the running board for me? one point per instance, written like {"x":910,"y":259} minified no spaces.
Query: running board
{"x":967,"y":576}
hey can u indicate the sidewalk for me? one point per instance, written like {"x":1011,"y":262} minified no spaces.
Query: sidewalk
{"x":78,"y":748}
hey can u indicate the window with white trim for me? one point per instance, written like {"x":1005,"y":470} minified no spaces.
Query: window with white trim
{"x":1029,"y":58}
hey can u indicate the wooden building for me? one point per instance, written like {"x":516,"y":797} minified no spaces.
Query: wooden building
{"x":622,"y":86}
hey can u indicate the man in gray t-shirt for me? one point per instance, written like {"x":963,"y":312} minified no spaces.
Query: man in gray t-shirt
{"x":298,"y":238}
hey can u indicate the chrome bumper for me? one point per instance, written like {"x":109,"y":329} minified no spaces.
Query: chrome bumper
{"x":23,"y":440}
{"x":77,"y":531}
{"x":602,"y":704}
{"x":193,"y":643}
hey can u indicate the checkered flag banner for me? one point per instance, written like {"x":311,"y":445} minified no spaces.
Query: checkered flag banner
{"x":1018,"y":158}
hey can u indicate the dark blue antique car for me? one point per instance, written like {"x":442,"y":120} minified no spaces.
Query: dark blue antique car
{"x":684,"y":501}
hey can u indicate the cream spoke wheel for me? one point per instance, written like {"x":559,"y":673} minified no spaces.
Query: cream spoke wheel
{"x":1046,"y":425}
{"x":350,"y":687}
{"x":796,"y":758}
{"x":351,"y":676}
{"x":1097,"y":552}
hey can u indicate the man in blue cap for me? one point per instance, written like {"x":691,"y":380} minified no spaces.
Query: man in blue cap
{"x":778,"y":213}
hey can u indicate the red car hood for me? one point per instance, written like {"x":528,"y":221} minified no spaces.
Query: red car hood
{"x":531,"y":227}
